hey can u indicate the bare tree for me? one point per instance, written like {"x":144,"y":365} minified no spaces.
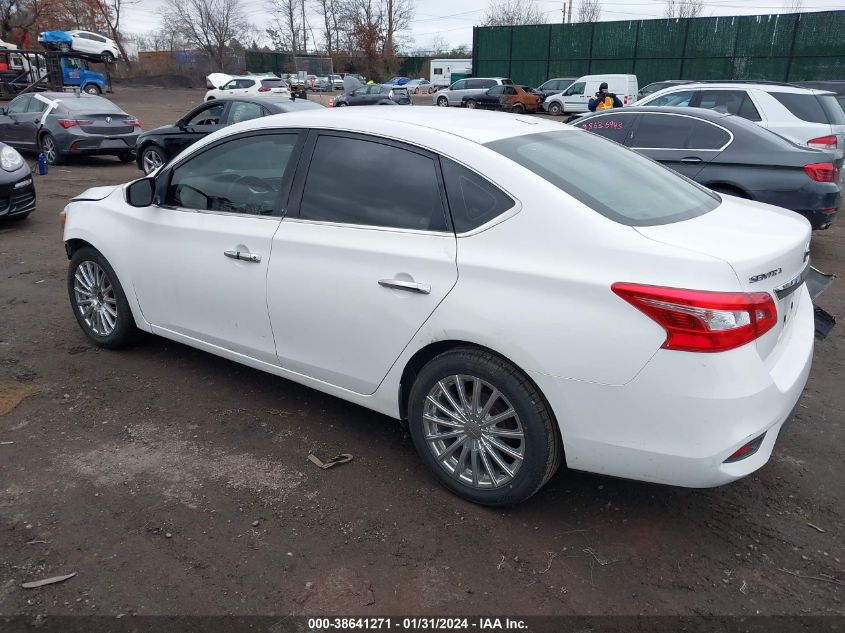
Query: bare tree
{"x":588,"y":11}
{"x":286,"y":26}
{"x":683,"y":8}
{"x":794,"y":6}
{"x":110,"y":11}
{"x":329,"y":11}
{"x":397,"y":16}
{"x":513,"y":13}
{"x":207,"y":24}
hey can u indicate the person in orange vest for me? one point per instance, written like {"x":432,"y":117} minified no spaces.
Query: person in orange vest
{"x":604,"y":100}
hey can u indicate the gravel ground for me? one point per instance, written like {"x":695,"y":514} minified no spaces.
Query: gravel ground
{"x":174,"y":482}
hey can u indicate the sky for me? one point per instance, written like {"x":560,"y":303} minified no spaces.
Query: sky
{"x":453,"y":21}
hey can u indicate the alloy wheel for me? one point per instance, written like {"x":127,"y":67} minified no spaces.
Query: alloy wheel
{"x":443,"y":102}
{"x":473,"y":431}
{"x":95,"y":298}
{"x":151,"y":160}
{"x":48,"y":146}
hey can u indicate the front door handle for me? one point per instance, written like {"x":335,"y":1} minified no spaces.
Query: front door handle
{"x":691,"y":160}
{"x":244,"y":257}
{"x":401,"y":284}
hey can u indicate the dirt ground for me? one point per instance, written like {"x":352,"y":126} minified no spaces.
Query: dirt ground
{"x":174,"y":482}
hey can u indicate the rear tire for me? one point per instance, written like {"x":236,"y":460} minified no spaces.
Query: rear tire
{"x":555,"y":109}
{"x":518,"y":109}
{"x":514,"y":456}
{"x":47,"y":144}
{"x":107,"y":57}
{"x":98,"y":301}
{"x":470,"y":103}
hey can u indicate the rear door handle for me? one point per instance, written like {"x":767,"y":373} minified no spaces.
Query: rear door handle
{"x":410,"y":286}
{"x":244,"y":257}
{"x":691,"y":160}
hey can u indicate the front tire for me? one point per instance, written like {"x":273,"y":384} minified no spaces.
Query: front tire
{"x":482,"y":428}
{"x":92,"y":89}
{"x":152,"y":157}
{"x":555,"y":109}
{"x":443,"y":102}
{"x":98,"y":301}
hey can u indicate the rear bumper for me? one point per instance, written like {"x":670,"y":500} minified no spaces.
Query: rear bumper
{"x":89,"y":144}
{"x":684,"y":414}
{"x":820,"y":220}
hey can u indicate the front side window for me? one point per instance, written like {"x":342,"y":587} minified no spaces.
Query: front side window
{"x":459,"y":85}
{"x":243,"y":111}
{"x":613,"y":126}
{"x":18,"y":105}
{"x":633,"y":190}
{"x":241,"y":176}
{"x":231,"y":85}
{"x":473,"y":200}
{"x":496,"y":90}
{"x":356,"y":181}
{"x":209,"y":116}
{"x":678,"y":99}
{"x":575,"y":89}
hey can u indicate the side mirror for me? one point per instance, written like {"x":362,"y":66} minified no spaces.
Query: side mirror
{"x":181,"y":124}
{"x":141,"y":192}
{"x":3,"y":111}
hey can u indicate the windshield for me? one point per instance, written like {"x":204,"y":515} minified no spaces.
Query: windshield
{"x":613,"y":180}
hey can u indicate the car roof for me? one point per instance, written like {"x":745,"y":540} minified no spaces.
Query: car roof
{"x":738,"y":85}
{"x":701,"y":113}
{"x":414,"y":125}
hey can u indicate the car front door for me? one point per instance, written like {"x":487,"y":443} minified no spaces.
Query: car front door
{"x":682,"y":143}
{"x":457,"y":91}
{"x":11,"y":127}
{"x":492,"y":99}
{"x":574,"y":99}
{"x":361,"y":260}
{"x":205,"y":246}
{"x":208,"y":118}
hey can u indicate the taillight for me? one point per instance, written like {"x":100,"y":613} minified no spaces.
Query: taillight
{"x":66,"y":123}
{"x":824,"y":142}
{"x":821,"y":172}
{"x":264,"y":89}
{"x":625,"y":100}
{"x":701,"y":320}
{"x":133,"y":122}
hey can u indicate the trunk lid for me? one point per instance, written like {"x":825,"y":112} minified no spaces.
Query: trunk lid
{"x":767,"y":247}
{"x":107,"y":123}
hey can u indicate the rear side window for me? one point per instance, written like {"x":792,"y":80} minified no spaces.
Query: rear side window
{"x":832,"y":108}
{"x":662,"y":131}
{"x":473,"y":200}
{"x":635,"y":191}
{"x":273,"y":83}
{"x":613,"y":126}
{"x":355,"y":181}
{"x":244,"y":111}
{"x":730,"y":102}
{"x":803,"y":106}
{"x":706,"y":136}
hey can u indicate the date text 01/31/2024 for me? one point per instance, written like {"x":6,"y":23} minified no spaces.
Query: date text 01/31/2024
{"x":416,"y":624}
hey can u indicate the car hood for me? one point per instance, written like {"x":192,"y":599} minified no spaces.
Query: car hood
{"x":95,"y":193}
{"x":217,"y":79}
{"x":164,"y":129}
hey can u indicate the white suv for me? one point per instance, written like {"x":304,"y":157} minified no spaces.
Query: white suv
{"x":252,"y":85}
{"x":94,"y":44}
{"x":808,"y":117}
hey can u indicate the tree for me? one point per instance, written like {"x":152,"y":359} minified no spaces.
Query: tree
{"x":397,"y":16}
{"x":512,"y":13}
{"x":439,"y":44}
{"x":794,"y":6}
{"x":683,"y":8}
{"x":207,"y":24}
{"x":329,"y":11}
{"x":286,"y":26}
{"x":588,"y":11}
{"x":110,"y":12}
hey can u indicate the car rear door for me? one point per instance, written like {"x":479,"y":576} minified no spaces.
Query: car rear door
{"x":205,"y":246}
{"x":616,"y":125}
{"x":364,"y":255}
{"x":682,"y":143}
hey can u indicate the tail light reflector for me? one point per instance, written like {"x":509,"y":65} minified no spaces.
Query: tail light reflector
{"x":824,"y":142}
{"x":701,"y":320}
{"x":746,"y":450}
{"x":821,"y":172}
{"x":67,"y":123}
{"x":828,"y":211}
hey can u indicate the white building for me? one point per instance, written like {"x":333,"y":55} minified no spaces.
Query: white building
{"x":443,"y":69}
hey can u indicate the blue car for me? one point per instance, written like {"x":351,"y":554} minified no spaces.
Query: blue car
{"x":55,"y":40}
{"x":396,"y":81}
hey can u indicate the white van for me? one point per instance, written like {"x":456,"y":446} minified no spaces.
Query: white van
{"x":576,"y":97}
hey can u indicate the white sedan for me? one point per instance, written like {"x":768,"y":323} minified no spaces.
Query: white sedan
{"x":94,"y":44}
{"x":517,"y":290}
{"x":254,"y":86}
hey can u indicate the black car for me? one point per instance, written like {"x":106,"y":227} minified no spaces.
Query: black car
{"x":660,"y":85}
{"x":158,"y":146}
{"x":374,"y":94}
{"x":729,"y":155}
{"x":63,"y":125}
{"x":17,"y":191}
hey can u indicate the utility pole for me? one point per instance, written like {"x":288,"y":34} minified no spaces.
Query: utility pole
{"x":570,"y":11}
{"x":563,"y":13}
{"x":304,"y":29}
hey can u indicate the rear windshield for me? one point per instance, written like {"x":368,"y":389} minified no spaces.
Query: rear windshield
{"x":89,"y":103}
{"x":616,"y":182}
{"x":807,"y":107}
{"x":273,"y":83}
{"x":830,"y":104}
